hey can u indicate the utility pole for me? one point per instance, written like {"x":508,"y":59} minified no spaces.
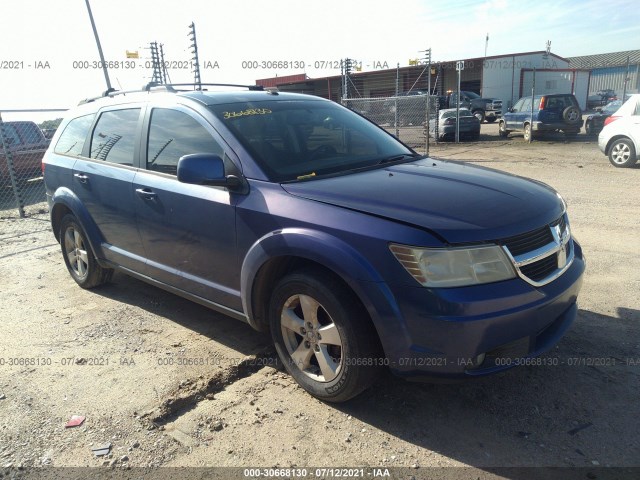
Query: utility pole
{"x":95,"y":33}
{"x":428,"y":62}
{"x":459,"y":68}
{"x":626,"y":81}
{"x":346,"y":73}
{"x":196,"y":63}
{"x":533,"y":100}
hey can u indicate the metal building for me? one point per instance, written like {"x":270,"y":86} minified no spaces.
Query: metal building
{"x":609,"y":70}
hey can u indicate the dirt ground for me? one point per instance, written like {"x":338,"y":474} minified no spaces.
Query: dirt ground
{"x":169,"y":383}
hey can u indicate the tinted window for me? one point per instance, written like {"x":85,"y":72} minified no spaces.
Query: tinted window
{"x":72,"y":139}
{"x":114,"y":137}
{"x":307,"y":138}
{"x":173,"y":134}
{"x":518,"y":106}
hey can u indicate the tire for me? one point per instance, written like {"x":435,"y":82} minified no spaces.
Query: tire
{"x":78,"y":256}
{"x":323,"y":336}
{"x":588,"y":129}
{"x":502,"y":129}
{"x":491,"y":119}
{"x":479,"y":114}
{"x":622,"y":153}
{"x":571,"y":115}
{"x":528,"y":134}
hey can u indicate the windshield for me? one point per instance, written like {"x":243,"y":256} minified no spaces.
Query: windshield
{"x":302,"y":139}
{"x":473,"y":95}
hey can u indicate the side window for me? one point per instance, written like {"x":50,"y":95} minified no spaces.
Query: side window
{"x":526,"y":105}
{"x":75,"y":133}
{"x":113,"y":139}
{"x":637,"y":109}
{"x":518,"y":106}
{"x":173,"y":134}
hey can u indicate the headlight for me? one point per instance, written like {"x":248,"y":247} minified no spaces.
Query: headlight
{"x":455,"y":267}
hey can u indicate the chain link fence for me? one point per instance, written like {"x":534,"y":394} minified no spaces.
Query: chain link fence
{"x":404,"y":116}
{"x":22,"y":194}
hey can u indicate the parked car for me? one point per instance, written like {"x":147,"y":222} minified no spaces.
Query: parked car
{"x":489,"y":109}
{"x":445,"y":126}
{"x":620,"y":137}
{"x":594,"y":122}
{"x":551,"y":113}
{"x":601,"y":98}
{"x":26,"y":144}
{"x":302,"y":218}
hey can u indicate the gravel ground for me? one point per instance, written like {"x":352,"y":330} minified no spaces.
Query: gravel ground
{"x":169,"y":383}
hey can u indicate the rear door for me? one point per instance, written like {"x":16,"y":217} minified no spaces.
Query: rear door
{"x":188,"y":231}
{"x":103,"y":182}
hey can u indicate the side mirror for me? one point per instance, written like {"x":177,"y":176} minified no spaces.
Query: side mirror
{"x":205,"y":169}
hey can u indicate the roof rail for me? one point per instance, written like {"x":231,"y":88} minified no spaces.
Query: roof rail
{"x":112,"y":92}
{"x":249,"y":87}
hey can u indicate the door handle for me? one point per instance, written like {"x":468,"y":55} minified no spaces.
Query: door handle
{"x":146,"y":193}
{"x":82,"y":178}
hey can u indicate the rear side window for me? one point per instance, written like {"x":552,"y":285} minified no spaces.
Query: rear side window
{"x":173,"y":134}
{"x":72,"y":139}
{"x":113,"y":139}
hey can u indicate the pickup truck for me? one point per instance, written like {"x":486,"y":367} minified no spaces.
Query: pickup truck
{"x":489,"y":109}
{"x":27,"y":144}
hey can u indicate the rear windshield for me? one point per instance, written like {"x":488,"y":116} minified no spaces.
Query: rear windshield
{"x":302,"y":139}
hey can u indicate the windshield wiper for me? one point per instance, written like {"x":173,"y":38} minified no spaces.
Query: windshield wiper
{"x":397,"y":158}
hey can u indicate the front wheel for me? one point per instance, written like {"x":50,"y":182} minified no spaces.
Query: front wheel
{"x":479,"y":114}
{"x":528,"y":133}
{"x":622,"y":153}
{"x":502,"y":129}
{"x":588,"y":129}
{"x":78,"y":256}
{"x":323,"y":336}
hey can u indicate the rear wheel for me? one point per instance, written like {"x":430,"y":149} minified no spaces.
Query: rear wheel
{"x":528,"y":134}
{"x":490,"y":119}
{"x":323,"y":336}
{"x":78,"y":256}
{"x":622,"y":153}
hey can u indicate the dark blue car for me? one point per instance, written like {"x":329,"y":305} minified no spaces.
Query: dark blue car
{"x":298,"y":216}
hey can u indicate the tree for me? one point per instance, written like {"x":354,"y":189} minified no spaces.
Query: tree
{"x":51,"y":123}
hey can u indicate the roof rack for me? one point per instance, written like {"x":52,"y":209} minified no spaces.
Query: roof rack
{"x":169,"y":87}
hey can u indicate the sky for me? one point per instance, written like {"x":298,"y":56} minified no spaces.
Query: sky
{"x":48,"y":54}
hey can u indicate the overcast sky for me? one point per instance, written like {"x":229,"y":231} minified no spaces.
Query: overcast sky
{"x":57,"y":36}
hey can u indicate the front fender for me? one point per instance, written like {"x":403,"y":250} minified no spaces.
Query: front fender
{"x":334,"y":254}
{"x":64,"y":197}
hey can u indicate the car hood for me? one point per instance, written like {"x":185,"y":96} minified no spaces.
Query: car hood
{"x":458,"y":202}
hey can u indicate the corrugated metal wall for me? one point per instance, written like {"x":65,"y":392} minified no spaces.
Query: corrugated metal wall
{"x":613,"y":78}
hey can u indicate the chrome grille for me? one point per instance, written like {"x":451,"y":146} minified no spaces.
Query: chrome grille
{"x":529,"y":241}
{"x":541,"y":255}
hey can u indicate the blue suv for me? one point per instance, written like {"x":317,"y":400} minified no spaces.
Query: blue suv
{"x":298,"y":216}
{"x":551,"y":113}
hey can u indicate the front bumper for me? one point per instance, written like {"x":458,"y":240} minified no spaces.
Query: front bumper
{"x":474,"y":331}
